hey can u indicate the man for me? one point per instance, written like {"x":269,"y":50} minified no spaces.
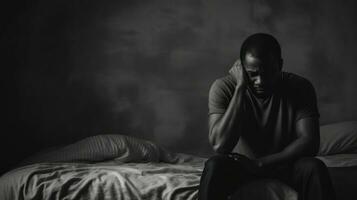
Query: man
{"x":263,"y":123}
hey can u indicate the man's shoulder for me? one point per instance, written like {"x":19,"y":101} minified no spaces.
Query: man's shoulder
{"x":221,"y":91}
{"x":294,"y":81}
{"x":225,"y":82}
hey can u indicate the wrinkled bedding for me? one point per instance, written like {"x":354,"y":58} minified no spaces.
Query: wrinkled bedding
{"x":105,"y":180}
{"x":130,"y":181}
{"x":114,"y":180}
{"x":117,"y":167}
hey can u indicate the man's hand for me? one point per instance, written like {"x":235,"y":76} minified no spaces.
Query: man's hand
{"x":239,"y":73}
{"x":254,"y":166}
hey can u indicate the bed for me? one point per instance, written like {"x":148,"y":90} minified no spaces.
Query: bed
{"x":127,"y":168}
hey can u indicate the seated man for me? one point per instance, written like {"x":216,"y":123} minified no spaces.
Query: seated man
{"x":263,"y":123}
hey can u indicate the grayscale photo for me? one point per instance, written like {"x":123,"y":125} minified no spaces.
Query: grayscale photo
{"x":178,"y":100}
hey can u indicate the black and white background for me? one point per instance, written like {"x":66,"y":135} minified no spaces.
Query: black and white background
{"x":72,"y":69}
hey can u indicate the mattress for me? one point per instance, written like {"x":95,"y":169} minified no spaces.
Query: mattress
{"x":116,"y":167}
{"x":113,"y":180}
{"x":343,"y":172}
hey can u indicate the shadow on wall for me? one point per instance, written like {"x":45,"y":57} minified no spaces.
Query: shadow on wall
{"x":144,"y":69}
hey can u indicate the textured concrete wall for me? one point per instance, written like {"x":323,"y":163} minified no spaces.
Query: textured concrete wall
{"x":143,"y":68}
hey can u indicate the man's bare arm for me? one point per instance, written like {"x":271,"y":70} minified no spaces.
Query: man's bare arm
{"x":225,"y":129}
{"x":306,"y":144}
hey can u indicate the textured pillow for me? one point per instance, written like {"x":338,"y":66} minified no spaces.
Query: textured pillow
{"x":338,"y":138}
{"x":105,"y":147}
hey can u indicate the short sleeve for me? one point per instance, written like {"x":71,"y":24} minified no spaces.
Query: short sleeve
{"x":306,"y":102}
{"x":217,"y":100}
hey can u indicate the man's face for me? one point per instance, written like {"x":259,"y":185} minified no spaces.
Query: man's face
{"x":263,"y":73}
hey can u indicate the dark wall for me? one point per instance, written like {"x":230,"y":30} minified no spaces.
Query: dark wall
{"x":143,"y":68}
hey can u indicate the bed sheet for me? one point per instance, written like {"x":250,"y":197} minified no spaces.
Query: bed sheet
{"x":339,"y":160}
{"x":123,"y":181}
{"x":106,"y":180}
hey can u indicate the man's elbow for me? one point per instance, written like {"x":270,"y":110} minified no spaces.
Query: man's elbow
{"x":216,"y":145}
{"x":313,"y":147}
{"x":219,"y":144}
{"x":220,"y":149}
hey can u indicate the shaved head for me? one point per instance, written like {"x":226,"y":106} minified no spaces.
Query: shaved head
{"x":261,"y":45}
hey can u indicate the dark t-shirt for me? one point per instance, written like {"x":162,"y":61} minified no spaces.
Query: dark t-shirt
{"x":269,"y":124}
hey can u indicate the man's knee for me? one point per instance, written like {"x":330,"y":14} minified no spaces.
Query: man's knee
{"x":216,"y":162}
{"x":310,"y":164}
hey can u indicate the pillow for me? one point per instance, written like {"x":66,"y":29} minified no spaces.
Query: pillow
{"x":105,"y":147}
{"x":338,"y":138}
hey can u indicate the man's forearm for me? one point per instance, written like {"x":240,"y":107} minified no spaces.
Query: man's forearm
{"x":225,"y":133}
{"x":300,"y":147}
{"x":306,"y":144}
